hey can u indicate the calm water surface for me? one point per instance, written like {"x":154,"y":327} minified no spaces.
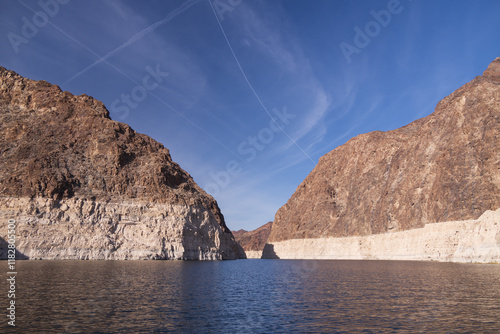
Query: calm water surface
{"x":254,"y":296}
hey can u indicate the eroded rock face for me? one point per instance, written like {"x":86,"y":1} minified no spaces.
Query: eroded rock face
{"x":444,"y":167}
{"x":253,"y":242}
{"x":81,"y":185}
{"x":476,"y":241}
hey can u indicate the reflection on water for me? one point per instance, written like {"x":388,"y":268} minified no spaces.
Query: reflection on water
{"x":255,"y":296}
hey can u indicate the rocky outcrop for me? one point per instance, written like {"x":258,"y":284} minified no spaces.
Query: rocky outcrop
{"x":253,"y":242}
{"x":444,"y":167}
{"x":476,"y":241}
{"x":81,"y":185}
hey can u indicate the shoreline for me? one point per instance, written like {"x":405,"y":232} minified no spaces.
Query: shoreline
{"x":469,"y":241}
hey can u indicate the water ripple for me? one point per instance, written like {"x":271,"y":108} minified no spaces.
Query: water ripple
{"x":256,"y":296}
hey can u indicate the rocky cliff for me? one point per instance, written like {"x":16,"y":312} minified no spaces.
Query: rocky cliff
{"x":455,"y":241}
{"x":82,"y":186}
{"x":444,"y":167}
{"x":253,"y":242}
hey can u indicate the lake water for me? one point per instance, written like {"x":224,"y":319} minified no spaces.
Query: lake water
{"x":254,"y":296}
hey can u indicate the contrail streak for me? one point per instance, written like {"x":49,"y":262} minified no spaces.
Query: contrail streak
{"x":170,"y":16}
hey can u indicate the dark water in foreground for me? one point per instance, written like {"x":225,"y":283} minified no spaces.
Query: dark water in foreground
{"x":254,"y":296}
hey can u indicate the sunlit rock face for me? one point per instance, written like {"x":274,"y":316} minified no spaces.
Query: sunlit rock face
{"x":476,"y":241}
{"x":441,"y":168}
{"x":82,"y":186}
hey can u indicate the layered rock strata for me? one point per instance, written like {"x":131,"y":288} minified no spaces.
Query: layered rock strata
{"x":444,"y":167}
{"x":476,"y":241}
{"x":82,"y":186}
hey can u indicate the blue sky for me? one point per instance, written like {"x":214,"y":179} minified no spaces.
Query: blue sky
{"x":249,"y":94}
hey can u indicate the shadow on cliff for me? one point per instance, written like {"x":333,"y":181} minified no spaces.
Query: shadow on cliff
{"x":4,"y":247}
{"x":229,"y":248}
{"x":240,"y":251}
{"x":269,"y":253}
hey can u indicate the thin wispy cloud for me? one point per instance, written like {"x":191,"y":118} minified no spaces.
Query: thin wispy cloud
{"x":273,"y":118}
{"x":278,"y":43}
{"x":261,"y":32}
{"x":205,"y":111}
{"x":313,"y":117}
{"x":170,"y":16}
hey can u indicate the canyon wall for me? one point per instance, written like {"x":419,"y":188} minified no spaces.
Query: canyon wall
{"x":253,"y":242}
{"x":82,"y":186}
{"x":476,"y":241}
{"x":441,"y":168}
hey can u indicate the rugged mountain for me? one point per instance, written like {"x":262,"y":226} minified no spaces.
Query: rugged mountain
{"x":444,"y":167}
{"x":81,"y":185}
{"x":253,"y":242}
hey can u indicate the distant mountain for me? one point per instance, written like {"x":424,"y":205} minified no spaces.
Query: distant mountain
{"x":444,"y":167}
{"x":253,"y":242}
{"x":81,"y":185}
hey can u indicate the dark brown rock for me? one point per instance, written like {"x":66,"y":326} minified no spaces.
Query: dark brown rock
{"x":59,"y":146}
{"x":253,"y":240}
{"x":443,"y":167}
